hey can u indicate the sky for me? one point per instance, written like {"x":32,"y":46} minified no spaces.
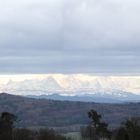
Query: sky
{"x":70,"y":36}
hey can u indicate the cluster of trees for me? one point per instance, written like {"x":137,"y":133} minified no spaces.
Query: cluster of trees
{"x":9,"y":132}
{"x":130,"y":130}
{"x":98,"y":130}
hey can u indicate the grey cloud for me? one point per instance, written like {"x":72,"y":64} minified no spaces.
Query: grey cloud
{"x":73,"y":36}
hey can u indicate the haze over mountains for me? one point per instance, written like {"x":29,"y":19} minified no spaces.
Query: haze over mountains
{"x":79,"y":87}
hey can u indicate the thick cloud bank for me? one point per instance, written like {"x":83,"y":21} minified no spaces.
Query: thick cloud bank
{"x":70,"y":36}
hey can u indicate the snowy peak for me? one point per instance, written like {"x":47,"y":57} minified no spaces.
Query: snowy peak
{"x":51,"y":84}
{"x":77,"y":84}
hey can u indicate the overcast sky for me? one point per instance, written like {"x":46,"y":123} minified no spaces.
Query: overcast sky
{"x":70,"y":36}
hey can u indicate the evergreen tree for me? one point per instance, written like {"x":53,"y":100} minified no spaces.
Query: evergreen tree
{"x":96,"y":130}
{"x":130,"y":130}
{"x":6,"y":125}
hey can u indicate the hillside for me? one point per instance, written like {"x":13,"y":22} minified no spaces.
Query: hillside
{"x":43,"y":112}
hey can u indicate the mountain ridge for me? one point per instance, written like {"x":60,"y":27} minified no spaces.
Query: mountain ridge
{"x":73,"y":86}
{"x":98,"y":98}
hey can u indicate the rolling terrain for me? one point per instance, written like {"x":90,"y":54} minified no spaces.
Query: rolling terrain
{"x":49,"y":113}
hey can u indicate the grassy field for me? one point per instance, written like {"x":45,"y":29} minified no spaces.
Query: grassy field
{"x":73,"y":135}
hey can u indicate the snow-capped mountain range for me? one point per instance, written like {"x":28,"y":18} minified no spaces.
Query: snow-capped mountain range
{"x":75,"y":85}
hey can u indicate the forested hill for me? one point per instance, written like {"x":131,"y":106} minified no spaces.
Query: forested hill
{"x":43,"y":112}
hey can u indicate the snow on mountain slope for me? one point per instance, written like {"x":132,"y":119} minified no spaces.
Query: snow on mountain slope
{"x":74,"y":84}
{"x":35,"y":86}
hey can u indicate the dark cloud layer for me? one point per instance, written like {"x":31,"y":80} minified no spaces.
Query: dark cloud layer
{"x":73,"y":36}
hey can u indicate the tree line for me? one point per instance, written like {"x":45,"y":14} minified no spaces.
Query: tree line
{"x":9,"y":132}
{"x":98,"y":130}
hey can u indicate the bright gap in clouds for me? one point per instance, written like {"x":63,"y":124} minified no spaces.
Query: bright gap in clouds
{"x":21,"y":77}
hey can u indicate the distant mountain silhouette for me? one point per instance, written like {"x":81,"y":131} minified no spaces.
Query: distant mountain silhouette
{"x":119,"y":97}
